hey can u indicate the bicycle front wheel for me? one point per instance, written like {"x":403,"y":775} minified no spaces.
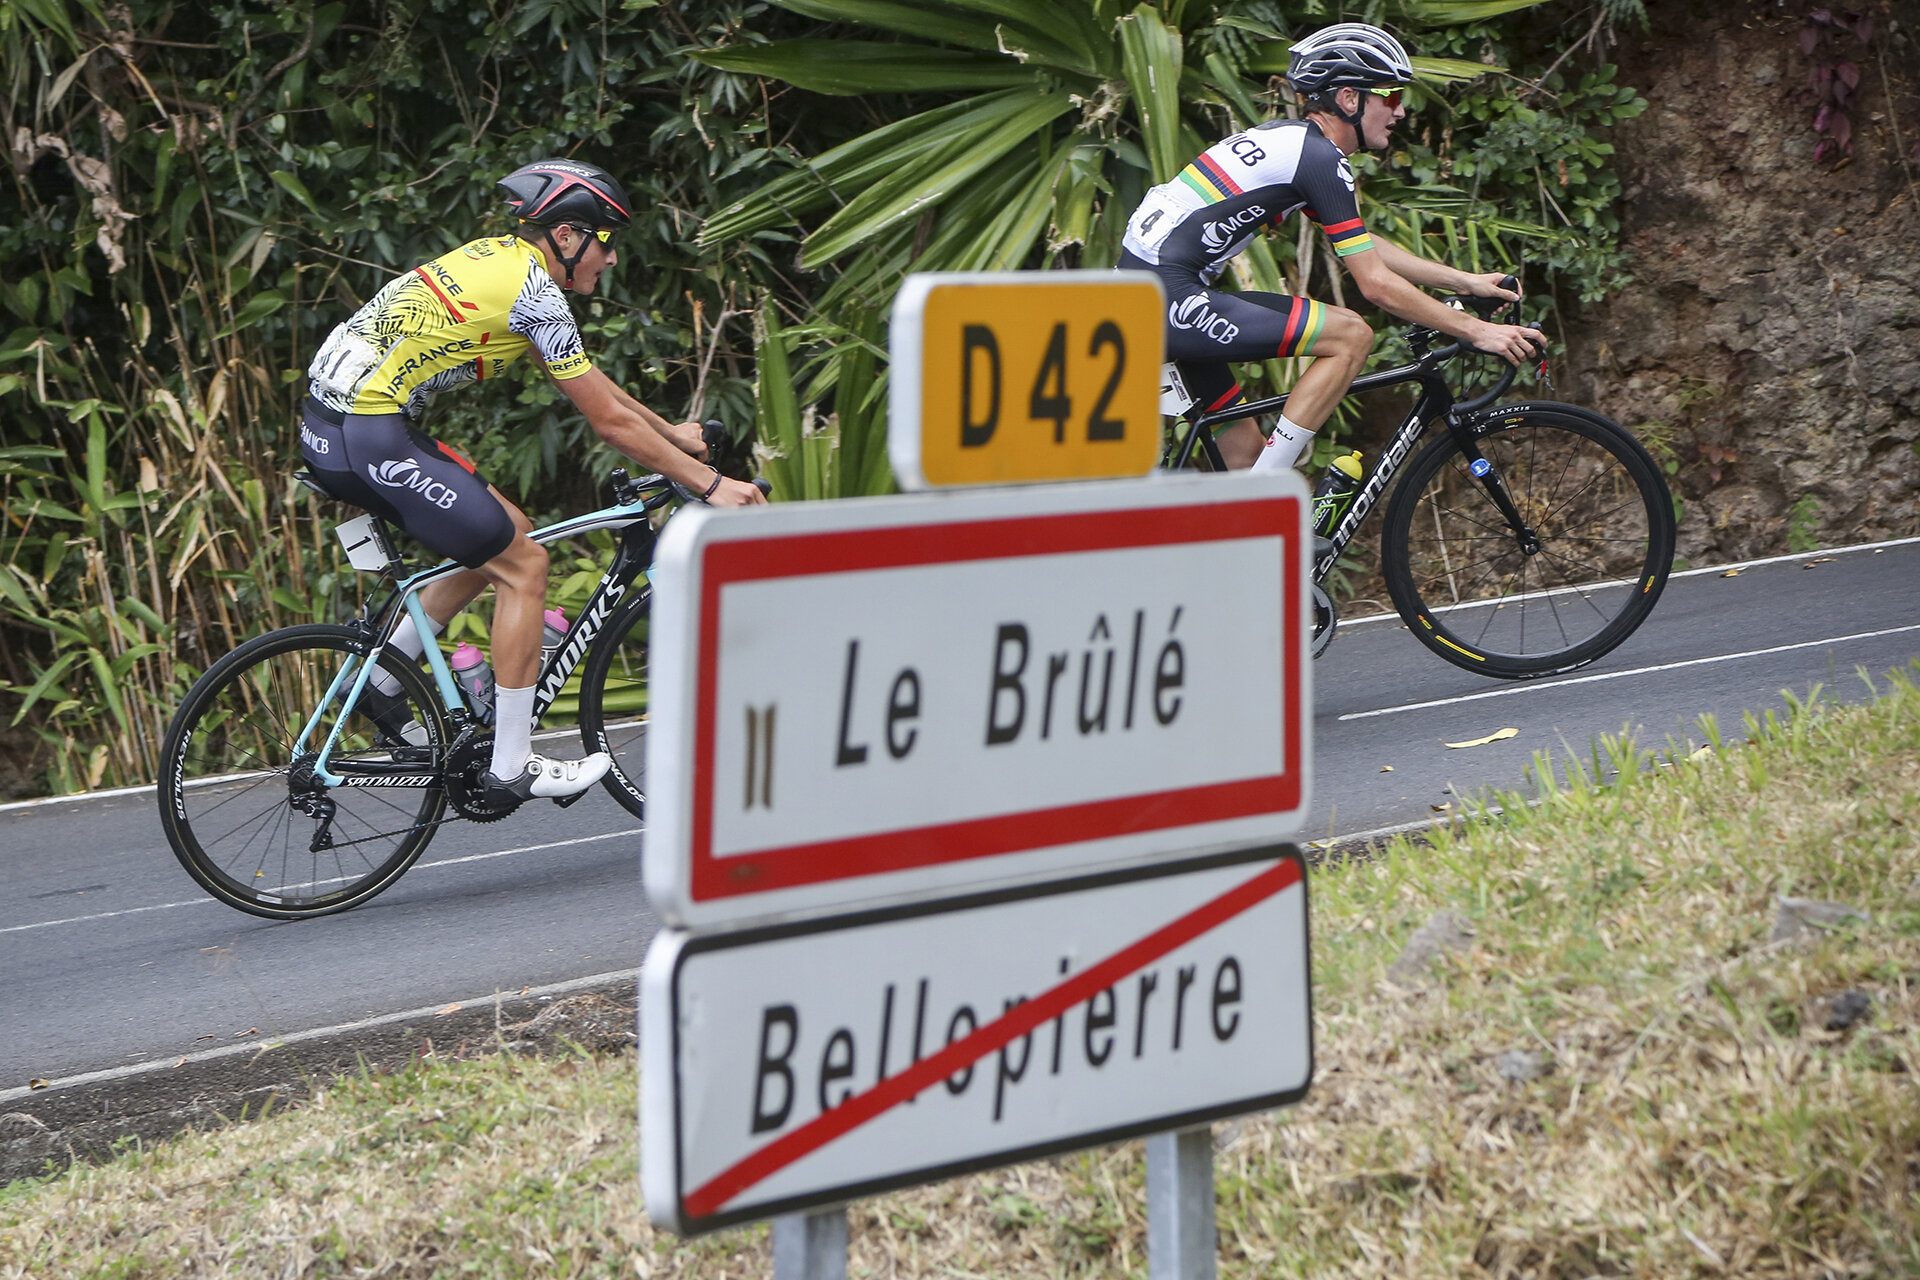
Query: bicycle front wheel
{"x":614,"y":698}
{"x":1581,"y":567}
{"x":238,"y":798}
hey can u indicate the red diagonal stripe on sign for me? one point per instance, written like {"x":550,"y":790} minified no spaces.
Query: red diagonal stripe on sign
{"x":1010,"y":1026}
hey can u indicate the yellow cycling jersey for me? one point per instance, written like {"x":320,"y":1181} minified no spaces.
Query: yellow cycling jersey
{"x":459,"y":318}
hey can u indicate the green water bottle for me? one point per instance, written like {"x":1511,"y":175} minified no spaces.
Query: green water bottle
{"x":1334,"y":492}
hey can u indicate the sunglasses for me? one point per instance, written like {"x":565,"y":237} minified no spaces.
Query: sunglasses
{"x":1392,"y":95}
{"x":603,"y":234}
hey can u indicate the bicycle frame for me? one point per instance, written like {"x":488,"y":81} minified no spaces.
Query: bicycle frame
{"x":631,"y":557}
{"x":1436,"y":400}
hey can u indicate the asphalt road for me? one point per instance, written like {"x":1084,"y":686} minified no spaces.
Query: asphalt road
{"x":110,"y":956}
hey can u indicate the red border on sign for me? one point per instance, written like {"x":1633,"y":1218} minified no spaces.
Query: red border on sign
{"x":725,"y":563}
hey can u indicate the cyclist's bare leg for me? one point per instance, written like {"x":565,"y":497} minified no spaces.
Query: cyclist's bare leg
{"x":1339,"y":353}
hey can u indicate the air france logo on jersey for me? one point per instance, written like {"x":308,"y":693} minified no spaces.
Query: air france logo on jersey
{"x":1216,"y":236}
{"x":405,"y":473}
{"x":1345,"y":171}
{"x":1192,"y":312}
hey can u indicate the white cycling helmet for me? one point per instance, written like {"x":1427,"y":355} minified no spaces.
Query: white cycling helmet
{"x":1348,"y":53}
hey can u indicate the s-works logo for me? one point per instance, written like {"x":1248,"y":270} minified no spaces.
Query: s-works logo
{"x":405,"y":473}
{"x":1216,"y":236}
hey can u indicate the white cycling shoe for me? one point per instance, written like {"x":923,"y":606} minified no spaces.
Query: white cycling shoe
{"x":549,"y":779}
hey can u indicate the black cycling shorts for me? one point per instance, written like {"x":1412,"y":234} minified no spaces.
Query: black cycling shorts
{"x":383,"y":464}
{"x":1207,"y":328}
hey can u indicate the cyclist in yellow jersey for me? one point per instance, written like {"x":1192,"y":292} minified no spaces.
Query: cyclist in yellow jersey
{"x":457,"y":319}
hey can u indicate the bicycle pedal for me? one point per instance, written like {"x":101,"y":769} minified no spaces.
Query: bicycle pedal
{"x":564,"y":801}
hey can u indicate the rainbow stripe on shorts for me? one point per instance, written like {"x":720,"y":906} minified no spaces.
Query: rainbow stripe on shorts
{"x":1303,"y":327}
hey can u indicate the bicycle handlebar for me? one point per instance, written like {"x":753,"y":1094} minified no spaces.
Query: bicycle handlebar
{"x":627,"y":491}
{"x":1417,"y":337}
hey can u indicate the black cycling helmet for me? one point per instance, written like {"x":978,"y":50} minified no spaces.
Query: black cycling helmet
{"x":1347,"y":53}
{"x":552,"y":193}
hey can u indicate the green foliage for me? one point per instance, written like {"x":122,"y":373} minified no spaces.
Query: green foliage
{"x":200,"y":192}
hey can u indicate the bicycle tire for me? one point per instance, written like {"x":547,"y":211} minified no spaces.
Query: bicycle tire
{"x":227,"y":791}
{"x":1594,"y":498}
{"x":614,"y":700}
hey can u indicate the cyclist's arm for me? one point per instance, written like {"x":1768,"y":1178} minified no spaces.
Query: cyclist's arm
{"x":685,"y":435}
{"x":629,"y":430}
{"x":1393,"y":292}
{"x":1438,"y":275}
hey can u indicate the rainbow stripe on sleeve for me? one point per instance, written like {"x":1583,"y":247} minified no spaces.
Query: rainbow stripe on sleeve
{"x":1210,"y":180}
{"x":1349,"y":238}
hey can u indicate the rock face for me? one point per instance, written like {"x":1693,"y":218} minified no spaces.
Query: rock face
{"x":1770,"y":342}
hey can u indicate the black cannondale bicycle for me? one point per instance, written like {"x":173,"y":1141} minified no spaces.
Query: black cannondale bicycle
{"x":1525,"y":539}
{"x":282,"y":797}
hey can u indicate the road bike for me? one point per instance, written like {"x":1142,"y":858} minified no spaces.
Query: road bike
{"x":1526,"y":539}
{"x":282,"y":797}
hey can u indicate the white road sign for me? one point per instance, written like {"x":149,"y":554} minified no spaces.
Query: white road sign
{"x":809,"y":1063}
{"x":875,"y":701}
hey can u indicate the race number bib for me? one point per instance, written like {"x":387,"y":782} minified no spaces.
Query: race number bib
{"x":343,"y":363}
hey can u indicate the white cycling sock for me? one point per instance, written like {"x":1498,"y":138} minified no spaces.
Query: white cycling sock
{"x":512,"y":731}
{"x":406,"y":639}
{"x":1284,"y":447}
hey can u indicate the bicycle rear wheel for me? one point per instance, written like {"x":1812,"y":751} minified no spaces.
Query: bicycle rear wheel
{"x":1585,"y":569}
{"x":238,"y":800}
{"x":614,"y":700}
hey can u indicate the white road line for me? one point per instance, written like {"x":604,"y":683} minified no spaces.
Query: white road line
{"x":298,"y":1037}
{"x":1716,"y":570}
{"x":422,"y":866}
{"x":1619,"y":675}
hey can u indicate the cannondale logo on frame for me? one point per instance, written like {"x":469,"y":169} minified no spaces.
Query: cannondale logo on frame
{"x":1216,"y":236}
{"x":405,"y":473}
{"x":1193,"y":312}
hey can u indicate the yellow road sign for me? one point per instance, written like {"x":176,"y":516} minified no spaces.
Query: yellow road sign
{"x":1007,"y":377}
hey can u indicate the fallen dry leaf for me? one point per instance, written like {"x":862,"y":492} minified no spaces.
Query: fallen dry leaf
{"x":209,"y":1036}
{"x":1731,"y":573}
{"x":1440,"y":808}
{"x":250,"y":1031}
{"x":1701,"y":753}
{"x":1820,"y":560}
{"x":452,"y":1008}
{"x":38,"y":1083}
{"x":1386,"y":768}
{"x":1498,"y":735}
{"x":181,"y":1063}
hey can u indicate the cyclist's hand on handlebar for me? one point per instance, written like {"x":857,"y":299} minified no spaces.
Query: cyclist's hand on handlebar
{"x":687,"y":436}
{"x":1494,"y":284}
{"x":736,"y":493}
{"x":1513,"y":343}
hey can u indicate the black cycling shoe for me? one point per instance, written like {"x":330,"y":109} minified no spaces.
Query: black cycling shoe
{"x":394,"y":724}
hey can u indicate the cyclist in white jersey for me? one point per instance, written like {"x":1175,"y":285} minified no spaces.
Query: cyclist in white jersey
{"x":1349,"y":78}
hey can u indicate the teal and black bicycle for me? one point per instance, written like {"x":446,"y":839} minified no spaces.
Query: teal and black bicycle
{"x":282,"y":796}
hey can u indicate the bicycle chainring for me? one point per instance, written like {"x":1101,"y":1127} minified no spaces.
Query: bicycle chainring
{"x":467,"y":763}
{"x":1325,"y":619}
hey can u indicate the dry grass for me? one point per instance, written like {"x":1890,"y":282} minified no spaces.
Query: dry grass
{"x":1694,"y":1117}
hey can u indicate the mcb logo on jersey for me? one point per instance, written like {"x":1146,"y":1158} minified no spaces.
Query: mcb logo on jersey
{"x":1192,"y":312}
{"x":1216,"y":236}
{"x":405,"y":473}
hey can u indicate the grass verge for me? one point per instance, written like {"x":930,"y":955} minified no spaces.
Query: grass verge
{"x":1622,"y":1074}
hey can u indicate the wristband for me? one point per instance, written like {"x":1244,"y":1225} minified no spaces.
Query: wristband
{"x":712,"y":488}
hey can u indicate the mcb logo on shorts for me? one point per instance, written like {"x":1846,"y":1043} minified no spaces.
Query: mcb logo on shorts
{"x":1192,"y":312}
{"x":405,"y":473}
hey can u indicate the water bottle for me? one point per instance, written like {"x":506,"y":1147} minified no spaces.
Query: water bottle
{"x":1334,"y":493}
{"x":475,"y":678}
{"x":553,"y":634}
